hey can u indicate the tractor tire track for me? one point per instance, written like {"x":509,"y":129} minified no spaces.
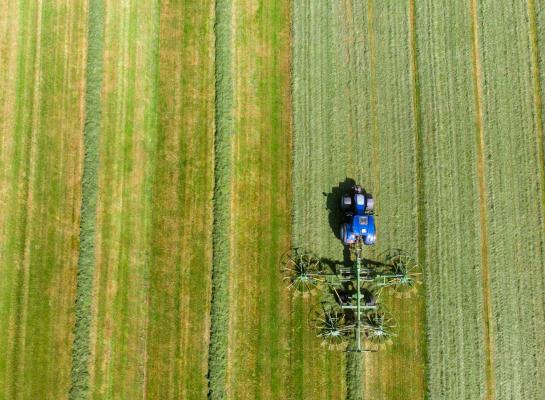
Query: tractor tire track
{"x":483,"y":204}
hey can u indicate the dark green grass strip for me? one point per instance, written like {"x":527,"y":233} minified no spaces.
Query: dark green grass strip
{"x":354,"y":372}
{"x":217,"y":361}
{"x":86,"y":261}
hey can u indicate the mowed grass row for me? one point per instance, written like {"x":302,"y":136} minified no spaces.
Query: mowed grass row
{"x":259,"y":321}
{"x":149,"y":333}
{"x":454,"y":282}
{"x":513,"y":169}
{"x":329,"y":100}
{"x":89,"y":192}
{"x":394,"y":156}
{"x":42,"y":66}
{"x":221,"y":241}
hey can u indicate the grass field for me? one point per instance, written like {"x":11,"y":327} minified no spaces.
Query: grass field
{"x":42,"y":58}
{"x":157,"y":159}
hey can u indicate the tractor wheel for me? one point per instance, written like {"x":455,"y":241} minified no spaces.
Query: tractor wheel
{"x":344,"y":234}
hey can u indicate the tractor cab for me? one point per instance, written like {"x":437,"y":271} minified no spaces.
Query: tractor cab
{"x":358,"y":207}
{"x":357,"y":202}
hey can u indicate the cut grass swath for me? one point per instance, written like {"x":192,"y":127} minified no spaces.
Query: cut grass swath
{"x":86,"y":262}
{"x":217,"y":360}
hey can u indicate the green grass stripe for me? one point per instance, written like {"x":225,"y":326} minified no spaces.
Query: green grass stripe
{"x":217,"y":361}
{"x":86,"y":262}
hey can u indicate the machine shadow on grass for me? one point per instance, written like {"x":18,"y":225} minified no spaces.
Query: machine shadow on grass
{"x":333,"y":204}
{"x":333,"y":265}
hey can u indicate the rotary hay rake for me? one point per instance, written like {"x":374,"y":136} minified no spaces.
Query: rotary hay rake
{"x":353,"y":314}
{"x":331,"y":328}
{"x":400,"y":275}
{"x":302,"y":271}
{"x":379,"y":328}
{"x":336,"y":328}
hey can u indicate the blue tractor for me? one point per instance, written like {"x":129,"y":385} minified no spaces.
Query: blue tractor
{"x":359,"y":222}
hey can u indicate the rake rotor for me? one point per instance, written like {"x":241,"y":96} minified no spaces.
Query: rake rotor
{"x":378,"y":328}
{"x":332,"y":329}
{"x":401,"y":275}
{"x":302,"y":272}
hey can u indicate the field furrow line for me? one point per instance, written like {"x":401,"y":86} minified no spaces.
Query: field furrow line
{"x":180,"y":195}
{"x":127,"y":157}
{"x":537,"y":324}
{"x":483,"y":203}
{"x":9,"y":21}
{"x":320,"y":127}
{"x":394,"y":185}
{"x":375,"y":156}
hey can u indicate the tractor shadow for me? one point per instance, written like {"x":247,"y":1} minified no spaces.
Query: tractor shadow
{"x":336,"y":217}
{"x":333,"y":205}
{"x":332,"y":266}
